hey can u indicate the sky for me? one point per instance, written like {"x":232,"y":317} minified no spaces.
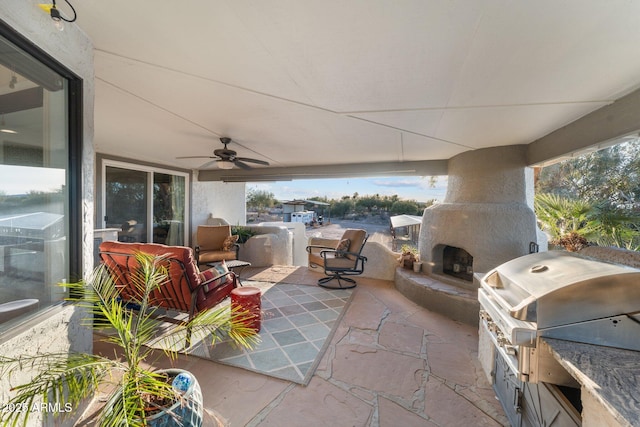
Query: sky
{"x":407,"y":188}
{"x":21,"y":180}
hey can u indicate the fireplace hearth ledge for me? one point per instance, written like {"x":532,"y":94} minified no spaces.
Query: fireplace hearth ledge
{"x":446,"y":296}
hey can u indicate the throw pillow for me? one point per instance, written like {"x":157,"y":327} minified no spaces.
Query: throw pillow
{"x":228,"y":243}
{"x":216,"y":270}
{"x":343,"y":246}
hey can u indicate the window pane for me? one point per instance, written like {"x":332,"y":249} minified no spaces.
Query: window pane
{"x":168,"y":209}
{"x":126,"y":203}
{"x":33,"y":184}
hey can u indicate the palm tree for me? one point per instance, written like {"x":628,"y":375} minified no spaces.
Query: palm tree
{"x":611,"y":226}
{"x":67,"y":379}
{"x":573,"y":222}
{"x":560,"y":215}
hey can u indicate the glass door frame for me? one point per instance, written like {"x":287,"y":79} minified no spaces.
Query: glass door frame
{"x":75,"y":132}
{"x":150,"y":170}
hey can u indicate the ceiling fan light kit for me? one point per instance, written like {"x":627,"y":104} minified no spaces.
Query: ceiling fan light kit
{"x":223,"y":164}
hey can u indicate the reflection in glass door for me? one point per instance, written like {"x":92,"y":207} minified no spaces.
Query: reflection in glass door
{"x":148,"y":205}
{"x":126,"y":203}
{"x":35,"y":182}
{"x":168,"y":209}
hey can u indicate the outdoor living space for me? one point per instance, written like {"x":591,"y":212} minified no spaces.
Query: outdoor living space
{"x":389,"y":362}
{"x":117,"y":130}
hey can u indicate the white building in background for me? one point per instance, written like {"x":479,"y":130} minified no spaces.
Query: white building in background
{"x":294,"y":211}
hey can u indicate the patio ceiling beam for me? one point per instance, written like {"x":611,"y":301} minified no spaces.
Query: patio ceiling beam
{"x":414,"y":168}
{"x":598,"y":129}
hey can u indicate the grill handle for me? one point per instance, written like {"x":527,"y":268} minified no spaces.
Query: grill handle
{"x":496,"y":296}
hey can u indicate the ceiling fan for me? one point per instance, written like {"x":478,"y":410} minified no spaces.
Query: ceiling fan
{"x":226,"y":158}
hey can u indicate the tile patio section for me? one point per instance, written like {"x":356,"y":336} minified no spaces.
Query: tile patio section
{"x":390,"y":363}
{"x":297,"y":320}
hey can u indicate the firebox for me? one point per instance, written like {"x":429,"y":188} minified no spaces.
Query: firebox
{"x":457,"y":262}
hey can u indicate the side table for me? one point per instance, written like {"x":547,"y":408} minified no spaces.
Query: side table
{"x":248,"y":301}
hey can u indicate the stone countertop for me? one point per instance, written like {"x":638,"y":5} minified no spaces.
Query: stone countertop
{"x":611,"y":375}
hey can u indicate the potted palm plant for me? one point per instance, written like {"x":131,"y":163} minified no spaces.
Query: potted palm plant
{"x":141,"y":395}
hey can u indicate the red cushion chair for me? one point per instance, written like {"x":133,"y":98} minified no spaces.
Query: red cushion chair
{"x":188,"y":290}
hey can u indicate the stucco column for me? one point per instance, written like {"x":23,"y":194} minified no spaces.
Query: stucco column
{"x":487,"y":211}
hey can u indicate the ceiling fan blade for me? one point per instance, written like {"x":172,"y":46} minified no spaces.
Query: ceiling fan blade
{"x":260,"y":162}
{"x":196,"y":157}
{"x":242,"y":165}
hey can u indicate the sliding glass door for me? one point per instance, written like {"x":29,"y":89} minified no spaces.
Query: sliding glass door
{"x":126,"y":204}
{"x":38,"y":178}
{"x":168,"y":209}
{"x":146,"y":204}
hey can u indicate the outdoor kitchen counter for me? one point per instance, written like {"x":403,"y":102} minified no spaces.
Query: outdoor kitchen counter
{"x":610,"y":380}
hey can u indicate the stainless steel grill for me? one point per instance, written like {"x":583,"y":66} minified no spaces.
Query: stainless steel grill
{"x":558,"y":295}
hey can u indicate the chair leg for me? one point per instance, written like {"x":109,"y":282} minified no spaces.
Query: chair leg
{"x":323,"y":282}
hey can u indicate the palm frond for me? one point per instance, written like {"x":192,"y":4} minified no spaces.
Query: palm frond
{"x":70,"y":378}
{"x":59,"y":377}
{"x":561,"y":215}
{"x":217,"y":323}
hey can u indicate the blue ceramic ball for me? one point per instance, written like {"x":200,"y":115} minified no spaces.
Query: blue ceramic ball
{"x":182,"y":382}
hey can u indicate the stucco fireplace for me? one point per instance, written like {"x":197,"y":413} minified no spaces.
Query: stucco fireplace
{"x":456,"y":262}
{"x":486,"y":217}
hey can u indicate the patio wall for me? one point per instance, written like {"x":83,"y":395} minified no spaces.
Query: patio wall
{"x":58,"y":329}
{"x":218,"y":199}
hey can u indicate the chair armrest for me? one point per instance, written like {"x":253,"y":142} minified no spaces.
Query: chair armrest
{"x":311,"y":247}
{"x":205,"y":284}
{"x":323,"y":254}
{"x":323,"y":241}
{"x":196,"y":251}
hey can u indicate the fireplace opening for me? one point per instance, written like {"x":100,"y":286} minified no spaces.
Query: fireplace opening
{"x":457,"y":262}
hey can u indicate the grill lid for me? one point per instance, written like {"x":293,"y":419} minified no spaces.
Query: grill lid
{"x":557,"y":288}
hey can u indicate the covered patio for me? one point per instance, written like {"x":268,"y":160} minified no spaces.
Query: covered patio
{"x":479,"y":91}
{"x":391,"y":362}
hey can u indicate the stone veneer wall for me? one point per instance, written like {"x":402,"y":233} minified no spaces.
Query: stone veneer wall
{"x":487,"y":211}
{"x":58,"y":329}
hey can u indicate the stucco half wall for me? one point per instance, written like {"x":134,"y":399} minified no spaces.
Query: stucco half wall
{"x":381,"y":261}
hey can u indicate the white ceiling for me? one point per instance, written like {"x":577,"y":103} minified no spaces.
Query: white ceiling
{"x":300,"y":83}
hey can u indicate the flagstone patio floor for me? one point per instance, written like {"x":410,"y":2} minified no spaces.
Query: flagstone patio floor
{"x":390,"y":363}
